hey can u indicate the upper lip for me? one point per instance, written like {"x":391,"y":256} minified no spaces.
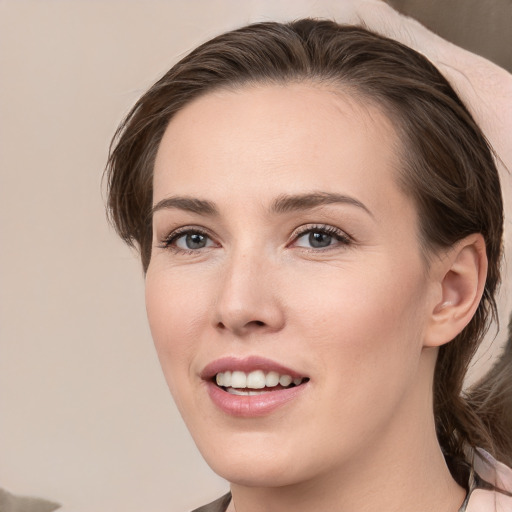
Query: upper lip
{"x":247,"y":364}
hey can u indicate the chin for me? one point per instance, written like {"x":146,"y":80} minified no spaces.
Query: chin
{"x":259,"y":460}
{"x":255,"y":472}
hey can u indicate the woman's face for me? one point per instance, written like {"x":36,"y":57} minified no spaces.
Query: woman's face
{"x":284,"y":248}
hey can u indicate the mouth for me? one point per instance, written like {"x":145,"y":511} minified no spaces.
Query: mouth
{"x":253,"y":386}
{"x":256,"y":382}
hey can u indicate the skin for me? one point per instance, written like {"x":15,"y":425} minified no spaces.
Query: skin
{"x":362,"y":319}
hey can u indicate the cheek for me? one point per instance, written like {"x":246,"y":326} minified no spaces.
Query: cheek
{"x":361,"y":298}
{"x":365,"y":327}
{"x":175,"y":313}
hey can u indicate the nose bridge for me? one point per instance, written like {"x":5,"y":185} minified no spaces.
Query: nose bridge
{"x":246,"y":299}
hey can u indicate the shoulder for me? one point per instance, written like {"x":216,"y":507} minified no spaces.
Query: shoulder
{"x":219,"y":505}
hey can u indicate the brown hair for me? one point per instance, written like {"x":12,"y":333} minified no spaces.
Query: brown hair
{"x":447,"y":165}
{"x":491,"y":399}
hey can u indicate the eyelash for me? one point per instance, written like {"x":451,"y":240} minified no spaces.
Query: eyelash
{"x":340,"y":236}
{"x":169,"y":241}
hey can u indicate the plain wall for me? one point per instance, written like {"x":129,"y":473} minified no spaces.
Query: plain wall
{"x":85,"y":415}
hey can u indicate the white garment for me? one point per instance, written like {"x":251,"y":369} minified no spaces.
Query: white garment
{"x":498,"y":476}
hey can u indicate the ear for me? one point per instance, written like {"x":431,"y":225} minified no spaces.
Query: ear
{"x":461,"y":274}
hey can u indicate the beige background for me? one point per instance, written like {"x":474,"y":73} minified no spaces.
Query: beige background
{"x":85,"y":416}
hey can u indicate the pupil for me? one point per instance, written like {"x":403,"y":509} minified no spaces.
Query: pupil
{"x":195,"y":241}
{"x":318,"y":239}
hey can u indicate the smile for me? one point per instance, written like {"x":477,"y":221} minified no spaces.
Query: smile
{"x":256,"y":382}
{"x":251,"y":387}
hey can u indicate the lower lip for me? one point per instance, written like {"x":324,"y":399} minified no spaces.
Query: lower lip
{"x":252,"y":406}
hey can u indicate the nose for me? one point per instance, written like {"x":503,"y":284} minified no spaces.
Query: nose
{"x":248,"y":299}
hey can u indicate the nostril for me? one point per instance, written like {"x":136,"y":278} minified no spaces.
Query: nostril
{"x":247,"y":327}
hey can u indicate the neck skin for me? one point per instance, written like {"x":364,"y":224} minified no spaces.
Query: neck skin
{"x":401,"y":468}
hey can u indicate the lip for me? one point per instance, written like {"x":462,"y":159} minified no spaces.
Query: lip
{"x":247,"y":364}
{"x":256,"y":405}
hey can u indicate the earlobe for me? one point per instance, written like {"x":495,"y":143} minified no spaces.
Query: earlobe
{"x":462,"y":274}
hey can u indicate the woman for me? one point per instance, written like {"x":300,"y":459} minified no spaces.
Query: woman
{"x":320,"y":224}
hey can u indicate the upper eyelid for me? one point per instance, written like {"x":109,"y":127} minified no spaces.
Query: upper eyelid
{"x":187,"y":229}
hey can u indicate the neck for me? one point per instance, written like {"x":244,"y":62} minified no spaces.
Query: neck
{"x":400,"y":468}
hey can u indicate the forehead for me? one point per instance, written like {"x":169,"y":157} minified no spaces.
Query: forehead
{"x":257,"y":140}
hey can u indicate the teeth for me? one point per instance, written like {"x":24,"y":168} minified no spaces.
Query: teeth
{"x":272,"y":379}
{"x":234,"y":391}
{"x":223,"y":379}
{"x":253,"y":380}
{"x":238,"y":380}
{"x":256,"y":380}
{"x":285,"y":380}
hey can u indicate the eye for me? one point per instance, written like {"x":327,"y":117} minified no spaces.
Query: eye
{"x":189,"y":240}
{"x":321,"y":237}
{"x":192,"y":241}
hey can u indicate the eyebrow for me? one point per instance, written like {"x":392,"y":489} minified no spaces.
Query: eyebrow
{"x":189,"y":204}
{"x":282,"y":204}
{"x":300,"y":202}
